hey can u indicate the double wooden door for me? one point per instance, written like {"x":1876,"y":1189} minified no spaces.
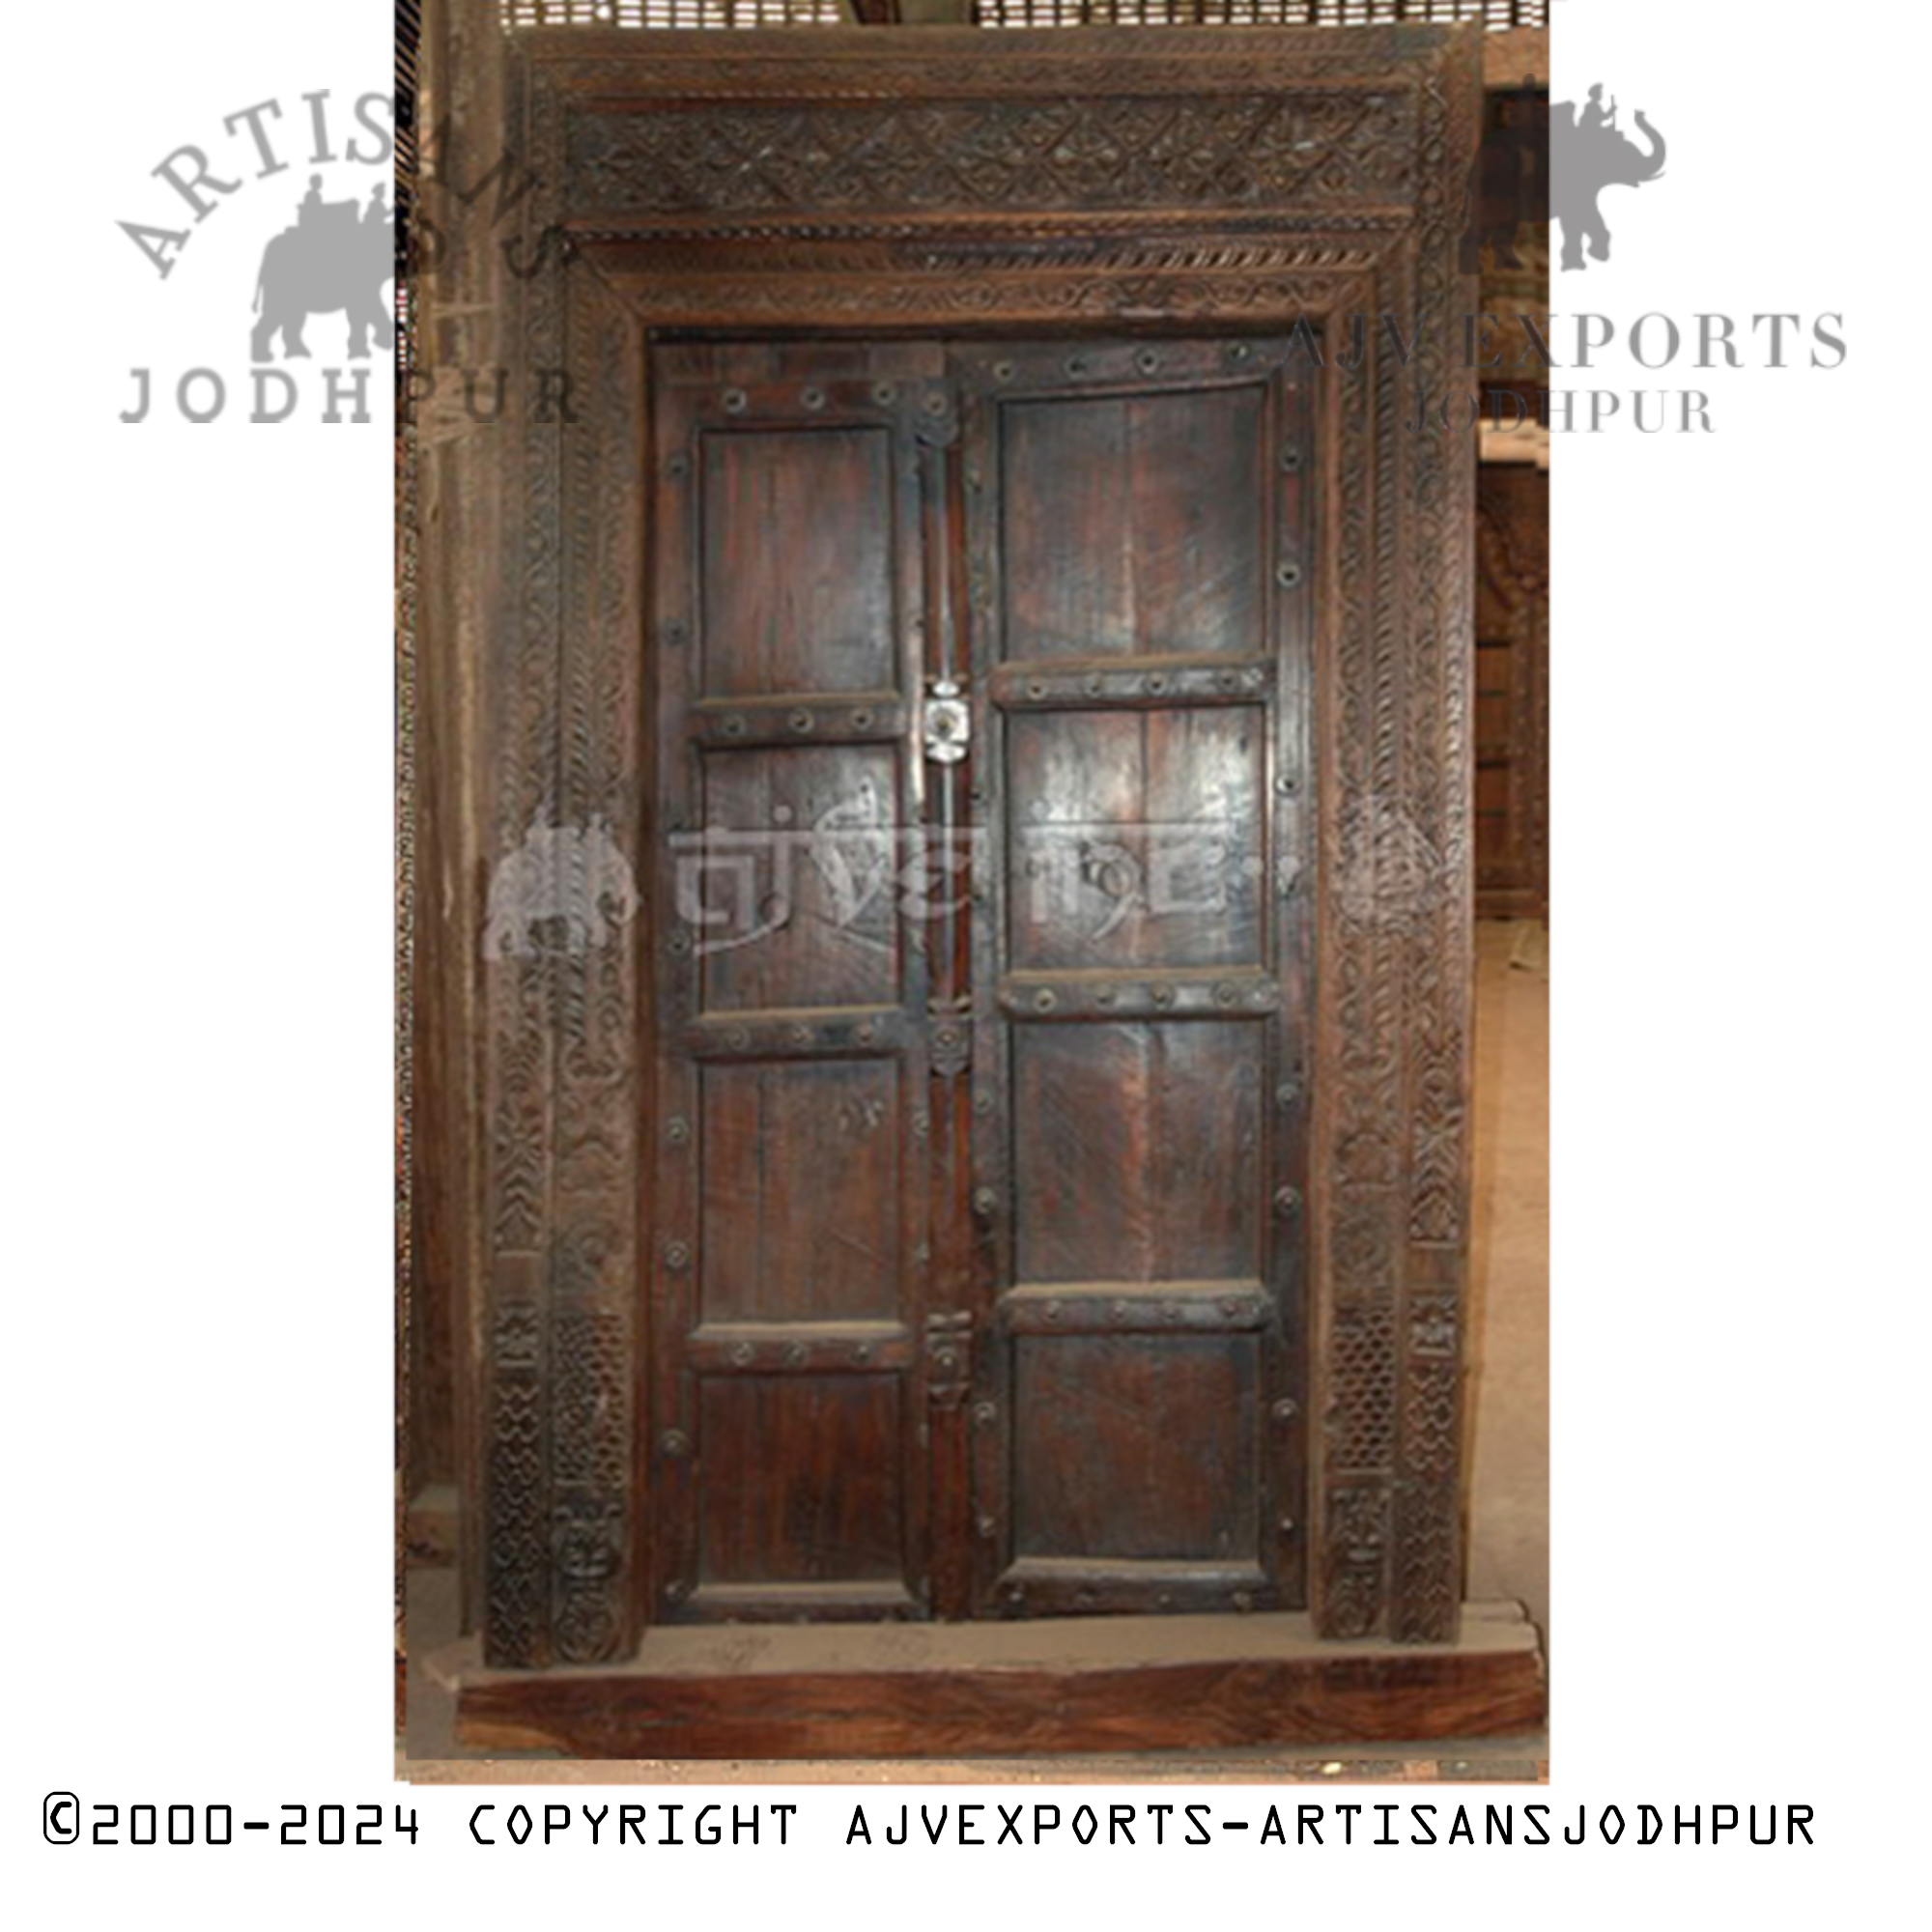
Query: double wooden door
{"x":980,"y":949}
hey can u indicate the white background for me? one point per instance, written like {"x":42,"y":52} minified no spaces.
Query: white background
{"x":197,"y":739}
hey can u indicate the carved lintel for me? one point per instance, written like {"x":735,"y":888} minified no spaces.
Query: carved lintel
{"x":1357,"y":143}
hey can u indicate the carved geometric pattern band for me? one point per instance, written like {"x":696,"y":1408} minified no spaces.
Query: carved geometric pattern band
{"x":1427,"y":1593}
{"x":1263,"y":149}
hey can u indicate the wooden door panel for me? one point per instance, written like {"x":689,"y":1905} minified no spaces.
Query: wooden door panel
{"x":790,"y":1289}
{"x":804,"y":915}
{"x":818,"y":506}
{"x":1136,"y":1451}
{"x":1136,"y":1153}
{"x":1140,"y":566}
{"x":1135,"y":839}
{"x":803,"y":1488}
{"x":1143,"y":517}
{"x":802,"y":1174}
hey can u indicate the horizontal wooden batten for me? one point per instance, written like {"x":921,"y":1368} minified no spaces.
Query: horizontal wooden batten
{"x":840,"y":403}
{"x":840,"y":1031}
{"x":1143,"y":682}
{"x":1087,"y":1586}
{"x":1110,"y":996}
{"x":802,"y":1348}
{"x":785,"y":1603}
{"x":864,"y":718}
{"x":1070,"y":1684}
{"x":1133,"y":1307}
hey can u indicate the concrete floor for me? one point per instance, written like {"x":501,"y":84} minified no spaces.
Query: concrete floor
{"x":1509,"y":1508}
{"x":1509,"y":1528}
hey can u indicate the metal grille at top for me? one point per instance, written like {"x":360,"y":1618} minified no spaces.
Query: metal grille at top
{"x":674,"y":14}
{"x":1496,"y":15}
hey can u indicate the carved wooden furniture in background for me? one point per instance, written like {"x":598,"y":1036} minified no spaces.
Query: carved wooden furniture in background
{"x":1513,"y":692}
{"x":1057,"y":234}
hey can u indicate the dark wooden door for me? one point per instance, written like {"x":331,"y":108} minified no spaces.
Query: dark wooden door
{"x":981,"y":677}
{"x":1140,"y":580}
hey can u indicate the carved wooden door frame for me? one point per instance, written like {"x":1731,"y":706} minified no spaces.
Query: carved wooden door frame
{"x":945,"y":180}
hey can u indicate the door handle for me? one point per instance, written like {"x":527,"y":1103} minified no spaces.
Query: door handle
{"x":948,"y":723}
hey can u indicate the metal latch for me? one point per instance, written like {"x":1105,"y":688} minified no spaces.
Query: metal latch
{"x":948,"y":723}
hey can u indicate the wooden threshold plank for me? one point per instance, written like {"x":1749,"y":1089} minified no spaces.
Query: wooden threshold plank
{"x":1140,"y":1684}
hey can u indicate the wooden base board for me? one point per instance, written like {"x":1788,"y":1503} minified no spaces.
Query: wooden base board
{"x":1073,"y":1685}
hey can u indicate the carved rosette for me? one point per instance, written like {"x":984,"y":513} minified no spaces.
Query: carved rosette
{"x":851,"y":179}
